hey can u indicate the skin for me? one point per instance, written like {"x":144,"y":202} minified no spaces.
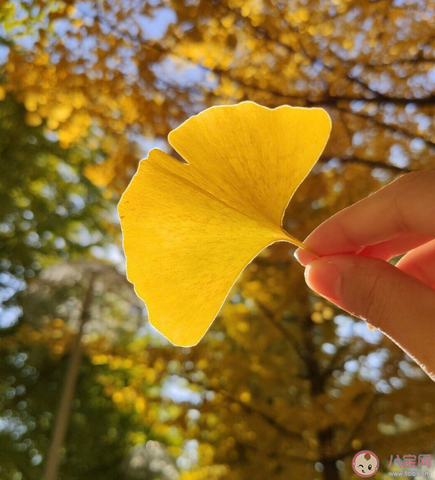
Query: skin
{"x":352,"y":268}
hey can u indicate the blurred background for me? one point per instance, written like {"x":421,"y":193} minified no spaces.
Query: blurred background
{"x":284,"y":385}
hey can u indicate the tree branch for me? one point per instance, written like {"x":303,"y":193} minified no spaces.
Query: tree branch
{"x":371,"y":164}
{"x":323,"y":98}
{"x":290,"y":339}
{"x":347,"y":449}
{"x":250,"y":409}
{"x":385,"y":126}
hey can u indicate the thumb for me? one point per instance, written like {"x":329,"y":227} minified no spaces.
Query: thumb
{"x":389,"y":299}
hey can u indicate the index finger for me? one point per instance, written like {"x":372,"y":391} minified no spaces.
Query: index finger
{"x":405,"y":205}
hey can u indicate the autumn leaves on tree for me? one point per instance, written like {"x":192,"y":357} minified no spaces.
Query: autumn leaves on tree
{"x":283,"y":385}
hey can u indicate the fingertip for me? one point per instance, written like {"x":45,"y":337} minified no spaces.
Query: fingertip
{"x":420,"y":263}
{"x":304,"y":257}
{"x":324,"y":277}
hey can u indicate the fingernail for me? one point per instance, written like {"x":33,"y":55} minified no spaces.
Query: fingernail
{"x":304,"y":257}
{"x":324,"y":277}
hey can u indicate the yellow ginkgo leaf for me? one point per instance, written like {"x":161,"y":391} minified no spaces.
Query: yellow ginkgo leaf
{"x":190,"y":229}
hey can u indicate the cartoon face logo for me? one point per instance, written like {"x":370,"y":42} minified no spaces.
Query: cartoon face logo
{"x":365,"y":463}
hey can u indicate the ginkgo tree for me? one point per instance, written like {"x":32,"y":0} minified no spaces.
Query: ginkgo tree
{"x":286,"y":384}
{"x":143,"y":68}
{"x":49,"y":210}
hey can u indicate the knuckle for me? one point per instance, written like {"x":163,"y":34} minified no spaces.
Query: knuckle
{"x":401,"y":220}
{"x":377,"y":301}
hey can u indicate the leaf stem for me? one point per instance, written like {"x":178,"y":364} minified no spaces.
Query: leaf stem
{"x":298,"y":243}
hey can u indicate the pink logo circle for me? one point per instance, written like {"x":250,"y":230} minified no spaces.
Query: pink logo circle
{"x":365,"y":463}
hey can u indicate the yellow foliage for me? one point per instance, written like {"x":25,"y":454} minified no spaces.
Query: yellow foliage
{"x":54,"y":336}
{"x":101,"y":174}
{"x":245,"y":397}
{"x":213,"y":472}
{"x":33,"y":119}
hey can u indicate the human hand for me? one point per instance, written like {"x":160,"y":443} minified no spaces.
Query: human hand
{"x":353,"y":272}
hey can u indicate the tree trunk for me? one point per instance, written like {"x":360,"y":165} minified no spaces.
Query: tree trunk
{"x":52,"y":466}
{"x":330,"y":471}
{"x":318,"y":379}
